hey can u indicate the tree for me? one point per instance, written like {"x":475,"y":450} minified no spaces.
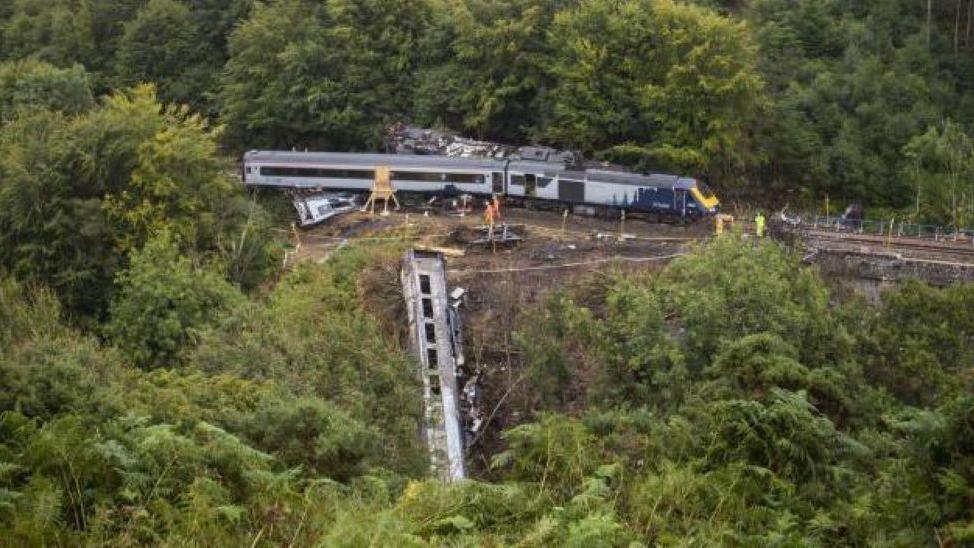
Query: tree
{"x":67,"y":32}
{"x":44,"y":371}
{"x":547,"y":340}
{"x":27,"y":85}
{"x":491,"y":69}
{"x":665,"y":84}
{"x":57,"y":32}
{"x":943,"y":164}
{"x":333,"y":81}
{"x":314,"y":434}
{"x":162,"y":300}
{"x":78,"y":194}
{"x":921,"y":342}
{"x":52,"y":228}
{"x":731,"y":290}
{"x":162,"y":45}
{"x":643,"y":365}
{"x":178,"y":183}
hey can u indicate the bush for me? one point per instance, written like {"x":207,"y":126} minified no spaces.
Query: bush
{"x":162,"y":301}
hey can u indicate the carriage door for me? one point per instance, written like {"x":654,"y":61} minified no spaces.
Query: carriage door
{"x":497,"y":182}
{"x":530,"y":185}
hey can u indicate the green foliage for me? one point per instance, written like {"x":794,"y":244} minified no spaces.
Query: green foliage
{"x":162,"y":299}
{"x":67,"y":32}
{"x":785,"y":100}
{"x":545,"y":339}
{"x":555,"y":451}
{"x":941,"y":164}
{"x":178,"y":182}
{"x":79,"y":193}
{"x":315,"y":337}
{"x":850,"y":86}
{"x":28,"y":85}
{"x":492,"y":68}
{"x":94,"y":451}
{"x":644,"y":365}
{"x":922,"y":342}
{"x":42,"y":371}
{"x":733,"y":290}
{"x":674,"y":83}
{"x":332,"y":81}
{"x":313,"y":434}
{"x":53,"y":229}
{"x":56,"y":32}
{"x":772,"y":432}
{"x":162,"y":44}
{"x":303,"y":399}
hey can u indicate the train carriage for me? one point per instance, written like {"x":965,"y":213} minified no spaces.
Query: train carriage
{"x":546,"y":182}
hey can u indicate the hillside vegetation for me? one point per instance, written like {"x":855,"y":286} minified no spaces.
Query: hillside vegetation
{"x":163,"y":382}
{"x":721,"y":411}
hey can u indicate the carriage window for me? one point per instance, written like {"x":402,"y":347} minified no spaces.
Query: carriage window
{"x":517,"y":180}
{"x":280,"y":171}
{"x":543,"y":181}
{"x":438,"y":177}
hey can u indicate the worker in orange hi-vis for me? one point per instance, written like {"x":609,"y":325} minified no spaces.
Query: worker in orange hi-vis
{"x":497,"y":208}
{"x":489,"y":214}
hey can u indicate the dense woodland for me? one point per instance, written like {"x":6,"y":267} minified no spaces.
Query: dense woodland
{"x":163,"y":382}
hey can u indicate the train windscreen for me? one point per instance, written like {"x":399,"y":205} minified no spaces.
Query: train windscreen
{"x":705,"y":190}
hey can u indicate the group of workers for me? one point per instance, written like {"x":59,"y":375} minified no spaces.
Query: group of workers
{"x":492,"y":215}
{"x":720,"y":219}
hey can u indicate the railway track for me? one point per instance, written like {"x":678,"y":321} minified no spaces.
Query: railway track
{"x":908,"y":248}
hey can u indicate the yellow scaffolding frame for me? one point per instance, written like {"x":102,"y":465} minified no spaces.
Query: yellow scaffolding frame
{"x":381,"y":190}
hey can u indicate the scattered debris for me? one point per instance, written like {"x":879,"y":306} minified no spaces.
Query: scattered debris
{"x":315,"y":208}
{"x":790,"y":220}
{"x":403,"y":139}
{"x":551,"y":252}
{"x":447,"y":251}
{"x":489,"y":235}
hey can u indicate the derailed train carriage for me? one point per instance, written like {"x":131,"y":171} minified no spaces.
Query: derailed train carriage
{"x":528,"y":180}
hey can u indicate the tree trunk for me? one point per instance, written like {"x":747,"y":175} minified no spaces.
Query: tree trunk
{"x":916,"y":175}
{"x":953,"y":203}
{"x":957,"y":29}
{"x":967,"y":33}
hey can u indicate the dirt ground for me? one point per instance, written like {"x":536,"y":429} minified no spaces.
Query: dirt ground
{"x":548,"y":236}
{"x":504,"y":282}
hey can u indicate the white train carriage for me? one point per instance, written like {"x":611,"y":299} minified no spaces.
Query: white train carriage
{"x":352,"y":171}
